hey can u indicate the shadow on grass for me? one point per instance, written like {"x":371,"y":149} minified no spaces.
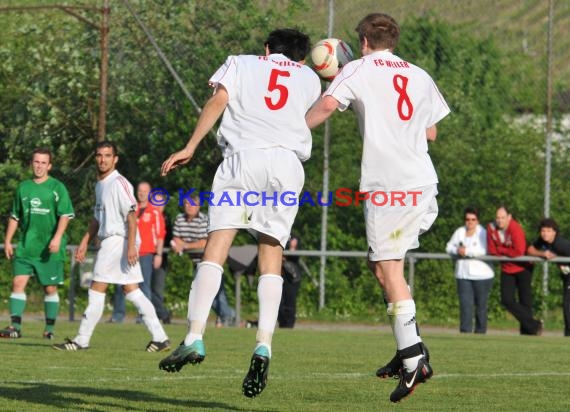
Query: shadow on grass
{"x":76,"y":397}
{"x":45,"y":343}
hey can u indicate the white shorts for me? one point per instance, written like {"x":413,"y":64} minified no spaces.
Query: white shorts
{"x":393,"y":227}
{"x":261,"y":188}
{"x":111,"y":264}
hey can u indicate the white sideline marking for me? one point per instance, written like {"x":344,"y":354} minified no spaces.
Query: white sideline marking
{"x":341,"y":375}
{"x":498,"y":375}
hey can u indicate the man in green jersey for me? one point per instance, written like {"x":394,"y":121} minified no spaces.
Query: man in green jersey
{"x":42,"y":209}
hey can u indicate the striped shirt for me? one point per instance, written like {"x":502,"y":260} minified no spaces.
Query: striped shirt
{"x":193,"y":230}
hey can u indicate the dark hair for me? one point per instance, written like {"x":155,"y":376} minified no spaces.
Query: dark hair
{"x":471,"y":210}
{"x":503,"y":206}
{"x":548,"y":222}
{"x":289,"y":42}
{"x":107,"y":143}
{"x":42,"y":150}
{"x":293,"y":237}
{"x":381,"y":31}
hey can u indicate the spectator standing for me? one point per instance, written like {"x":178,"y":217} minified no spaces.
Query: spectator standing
{"x":291,"y":272}
{"x":190,"y":232}
{"x":159,"y":273}
{"x":42,"y":210}
{"x":549,"y":245}
{"x":506,"y":237}
{"x":474,"y":277}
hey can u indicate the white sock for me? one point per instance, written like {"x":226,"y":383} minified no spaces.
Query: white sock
{"x":269,"y":290}
{"x":19,"y":296}
{"x":402,"y":316}
{"x":148,"y":313}
{"x":390,"y":312}
{"x":91,"y":316}
{"x":52,"y":298}
{"x":202,"y":293}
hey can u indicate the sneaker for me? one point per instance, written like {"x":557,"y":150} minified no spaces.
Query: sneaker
{"x":392,"y":368}
{"x":158,"y":346}
{"x":193,"y":354}
{"x":10,"y":332}
{"x":68,"y":345}
{"x":409,"y":380}
{"x":256,"y":377}
{"x":49,"y":335}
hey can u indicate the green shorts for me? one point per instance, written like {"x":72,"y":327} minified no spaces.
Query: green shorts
{"x":48,"y":273}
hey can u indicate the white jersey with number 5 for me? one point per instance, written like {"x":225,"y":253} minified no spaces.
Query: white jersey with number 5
{"x":268,"y":99}
{"x":395,"y":102}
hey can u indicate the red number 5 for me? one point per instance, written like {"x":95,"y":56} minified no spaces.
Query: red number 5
{"x":273,"y":85}
{"x":400,"y":83}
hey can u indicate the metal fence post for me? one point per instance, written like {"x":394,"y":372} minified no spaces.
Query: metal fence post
{"x":544,"y":290}
{"x":72,"y":282}
{"x":237,"y":277}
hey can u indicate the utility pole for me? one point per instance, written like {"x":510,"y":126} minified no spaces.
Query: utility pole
{"x":103,"y":74}
{"x":103,"y":28}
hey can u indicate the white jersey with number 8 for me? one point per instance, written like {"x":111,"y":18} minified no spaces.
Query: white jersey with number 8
{"x":396,"y":102}
{"x":268,"y":99}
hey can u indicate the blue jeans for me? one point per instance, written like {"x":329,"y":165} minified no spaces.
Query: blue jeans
{"x":225,"y":313}
{"x":158,"y":281}
{"x":473,"y":294}
{"x":119,"y":309}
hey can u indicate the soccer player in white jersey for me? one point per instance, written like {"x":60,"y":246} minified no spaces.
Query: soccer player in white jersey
{"x":398,"y":106}
{"x":115,"y":224}
{"x":264,"y":138}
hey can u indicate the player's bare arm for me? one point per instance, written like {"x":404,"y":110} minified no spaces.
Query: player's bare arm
{"x":132,"y":253}
{"x":92,"y":230}
{"x":321,"y":111}
{"x":157,"y":258}
{"x":55,"y":242}
{"x":431,"y":133}
{"x":10,"y":232}
{"x":208,"y":118}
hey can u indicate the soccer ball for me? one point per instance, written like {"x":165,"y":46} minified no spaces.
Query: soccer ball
{"x":328,"y":57}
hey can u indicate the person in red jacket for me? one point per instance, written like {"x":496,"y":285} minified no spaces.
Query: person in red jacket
{"x":505,"y":237}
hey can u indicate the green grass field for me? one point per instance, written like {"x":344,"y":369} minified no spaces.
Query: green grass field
{"x":313,"y":369}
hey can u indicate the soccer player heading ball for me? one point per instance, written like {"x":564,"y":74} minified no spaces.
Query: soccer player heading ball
{"x":264,"y":137}
{"x":398,"y":106}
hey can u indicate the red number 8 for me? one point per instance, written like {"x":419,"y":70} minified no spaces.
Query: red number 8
{"x":400,"y":84}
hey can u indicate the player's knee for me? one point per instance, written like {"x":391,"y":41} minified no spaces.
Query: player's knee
{"x":377,"y":272}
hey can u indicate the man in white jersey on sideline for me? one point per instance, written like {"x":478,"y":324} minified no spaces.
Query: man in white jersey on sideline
{"x":264,"y":139}
{"x":115,"y":224}
{"x":398,"y":106}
